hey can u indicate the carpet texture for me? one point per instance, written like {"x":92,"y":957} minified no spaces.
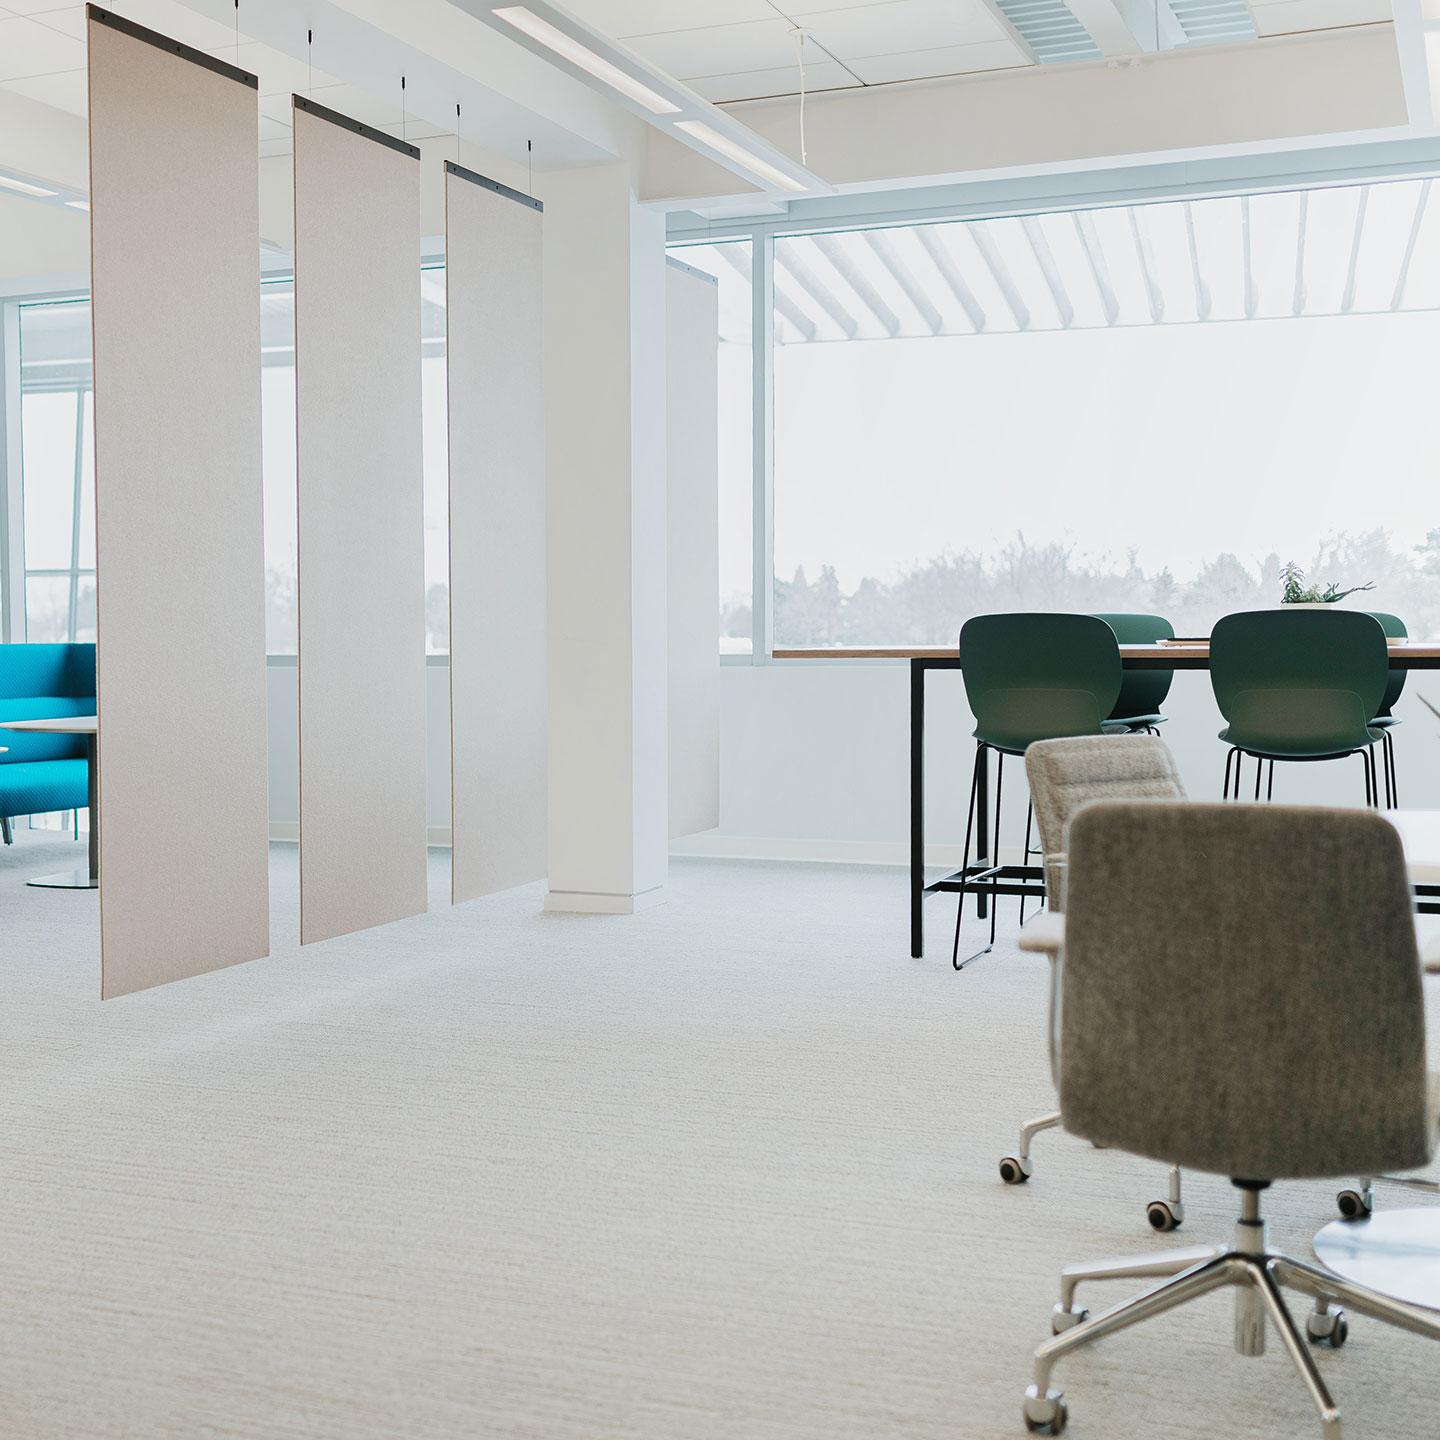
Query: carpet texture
{"x":724,"y":1170}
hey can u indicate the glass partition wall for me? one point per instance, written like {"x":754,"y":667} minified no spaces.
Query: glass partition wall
{"x":1131,"y":407}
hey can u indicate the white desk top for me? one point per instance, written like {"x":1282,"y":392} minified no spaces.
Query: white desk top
{"x":66,"y":725}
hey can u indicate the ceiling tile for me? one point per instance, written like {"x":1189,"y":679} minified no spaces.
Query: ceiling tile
{"x":269,"y":149}
{"x":719,"y":49}
{"x":902,"y":25}
{"x":1290,"y":16}
{"x":68,"y":19}
{"x":758,"y":84}
{"x":924,"y":64}
{"x":358,"y":105}
{"x":619,"y":18}
{"x":35,"y":7}
{"x":66,"y":91}
{"x":181,"y":23}
{"x":29,"y":48}
{"x":279,"y":74}
{"x":272,"y":129}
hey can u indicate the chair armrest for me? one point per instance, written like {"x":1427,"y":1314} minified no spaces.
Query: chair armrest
{"x":1432,"y":957}
{"x":1044,"y":935}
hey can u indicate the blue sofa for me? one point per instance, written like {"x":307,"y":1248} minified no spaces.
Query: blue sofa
{"x":40,"y":773}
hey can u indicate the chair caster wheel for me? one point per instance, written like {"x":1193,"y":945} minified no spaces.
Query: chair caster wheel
{"x":1353,"y":1205}
{"x":1045,"y":1414}
{"x":1163,"y":1216}
{"x":1331,"y":1328}
{"x":1062,"y":1319}
{"x":1014,"y":1171}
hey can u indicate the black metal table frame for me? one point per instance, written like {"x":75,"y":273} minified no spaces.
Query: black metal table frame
{"x":1028,"y":880}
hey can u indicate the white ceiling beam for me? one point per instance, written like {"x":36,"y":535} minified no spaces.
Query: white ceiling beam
{"x":1045,"y":259}
{"x":834,"y":251}
{"x":738,"y":258}
{"x":1397,"y":298}
{"x":1347,"y":298}
{"x":1297,"y":304}
{"x":934,"y":244}
{"x":1146,"y":256}
{"x":1416,"y":41}
{"x":1153,"y":24}
{"x":1000,"y":273}
{"x":1202,"y":290}
{"x":1099,"y":270}
{"x":890,"y":258}
{"x":1192,"y":104}
{"x":788,"y":260}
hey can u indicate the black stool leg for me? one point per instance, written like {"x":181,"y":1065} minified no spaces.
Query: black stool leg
{"x":980,"y":758}
{"x":1270,"y":788}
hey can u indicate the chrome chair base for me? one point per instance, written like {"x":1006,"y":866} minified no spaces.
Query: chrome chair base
{"x":1257,"y":1272}
{"x":1167,"y":1214}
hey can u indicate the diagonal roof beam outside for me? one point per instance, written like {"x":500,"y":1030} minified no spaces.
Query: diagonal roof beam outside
{"x":1202,"y":290}
{"x":939,"y":252}
{"x":884,"y":247}
{"x":1146,"y":256}
{"x":1403,"y":278}
{"x":1347,"y":300}
{"x":1048,"y":268}
{"x":1252,"y":294}
{"x":1095,"y":254}
{"x":817,"y":289}
{"x":849,"y":272}
{"x":1297,"y":304}
{"x":738,"y":258}
{"x":999,"y":272}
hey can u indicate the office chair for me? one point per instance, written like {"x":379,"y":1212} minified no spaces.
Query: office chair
{"x":1064,"y":775}
{"x":1385,"y":721}
{"x":1142,"y":692}
{"x":1208,"y":953}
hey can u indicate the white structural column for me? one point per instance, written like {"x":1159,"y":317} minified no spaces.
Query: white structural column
{"x":175,"y":233}
{"x":605,"y":408}
{"x":494,"y":324}
{"x":692,"y":498}
{"x":361,"y":525}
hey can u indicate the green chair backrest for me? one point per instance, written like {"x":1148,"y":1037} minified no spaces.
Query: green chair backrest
{"x":1035,"y":677}
{"x":1394,"y":628}
{"x":1307,"y":681}
{"x":1142,"y":692}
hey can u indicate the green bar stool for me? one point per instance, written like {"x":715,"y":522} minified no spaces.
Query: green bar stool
{"x":1028,"y":677}
{"x":1299,"y":685}
{"x":1394,"y":629}
{"x":1142,"y":692}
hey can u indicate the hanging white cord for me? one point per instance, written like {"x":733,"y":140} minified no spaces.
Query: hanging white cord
{"x":799,"y":32}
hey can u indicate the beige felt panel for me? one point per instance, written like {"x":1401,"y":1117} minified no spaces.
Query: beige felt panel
{"x":494,"y":338}
{"x":361,"y":518}
{"x":175,"y":228}
{"x":693,"y":556}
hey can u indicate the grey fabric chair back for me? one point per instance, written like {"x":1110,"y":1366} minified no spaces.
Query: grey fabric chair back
{"x":1241,"y":990}
{"x":1066,"y":774}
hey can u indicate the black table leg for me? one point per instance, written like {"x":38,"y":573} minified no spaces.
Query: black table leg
{"x":917,"y":806}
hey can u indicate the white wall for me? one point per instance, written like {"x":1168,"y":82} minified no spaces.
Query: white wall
{"x":814,"y":760}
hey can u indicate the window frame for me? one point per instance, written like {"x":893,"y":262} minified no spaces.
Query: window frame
{"x":1010,"y":198}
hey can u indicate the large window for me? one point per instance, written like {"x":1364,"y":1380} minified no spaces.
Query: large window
{"x":1137,"y":407}
{"x":57,"y":486}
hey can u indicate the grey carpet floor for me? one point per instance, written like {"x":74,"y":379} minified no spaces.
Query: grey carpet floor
{"x":723,"y":1169}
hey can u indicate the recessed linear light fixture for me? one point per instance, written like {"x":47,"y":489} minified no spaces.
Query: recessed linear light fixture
{"x":79,"y":205}
{"x":26,"y":188}
{"x":740,"y":155}
{"x":572,"y":50}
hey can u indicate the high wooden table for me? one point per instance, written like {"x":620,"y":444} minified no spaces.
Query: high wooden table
{"x":1414,"y":655}
{"x":88,"y":726}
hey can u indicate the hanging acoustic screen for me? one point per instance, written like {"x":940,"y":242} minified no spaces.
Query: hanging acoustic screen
{"x":494,"y":324}
{"x":361,"y":525}
{"x":175,"y":239}
{"x":692,"y":509}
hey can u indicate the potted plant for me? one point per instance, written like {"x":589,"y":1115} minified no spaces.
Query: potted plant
{"x":1312,"y":597}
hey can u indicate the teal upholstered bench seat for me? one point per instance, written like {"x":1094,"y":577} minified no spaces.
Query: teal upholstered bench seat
{"x":40,"y":773}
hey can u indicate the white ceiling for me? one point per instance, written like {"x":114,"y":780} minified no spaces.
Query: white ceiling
{"x":42,"y":57}
{"x":730,"y":50}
